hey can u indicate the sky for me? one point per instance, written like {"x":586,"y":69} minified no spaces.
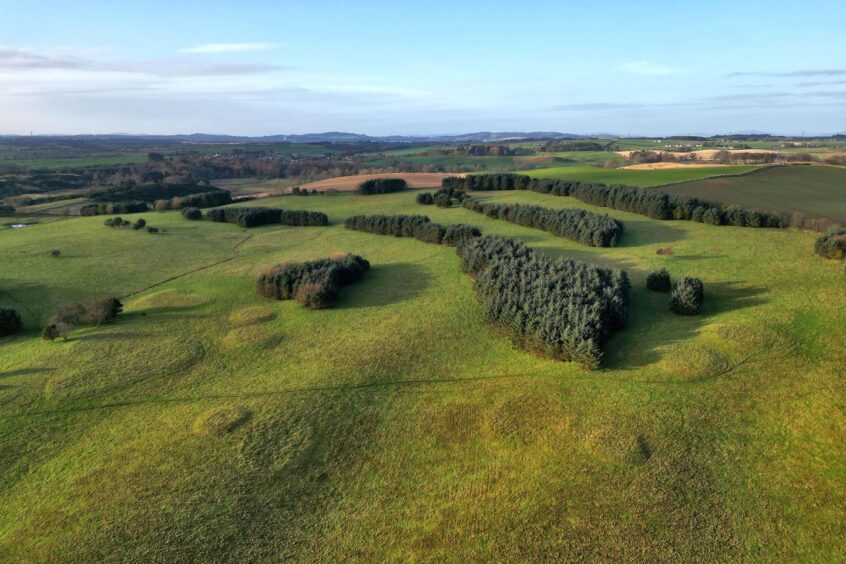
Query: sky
{"x":422,"y":68}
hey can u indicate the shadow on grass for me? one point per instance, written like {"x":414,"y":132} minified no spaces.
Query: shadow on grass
{"x":638,"y":232}
{"x":26,"y":371}
{"x":386,"y":284}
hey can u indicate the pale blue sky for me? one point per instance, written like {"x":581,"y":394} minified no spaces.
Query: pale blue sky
{"x":259,"y":68}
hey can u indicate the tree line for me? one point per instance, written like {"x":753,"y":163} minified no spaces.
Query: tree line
{"x":565,"y":308}
{"x":201,"y":200}
{"x":418,"y":226}
{"x":257,"y":216}
{"x":649,"y":202}
{"x":109,"y":208}
{"x":315,"y":284}
{"x":579,"y":225}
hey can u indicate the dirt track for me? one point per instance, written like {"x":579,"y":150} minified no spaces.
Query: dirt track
{"x":349,"y":183}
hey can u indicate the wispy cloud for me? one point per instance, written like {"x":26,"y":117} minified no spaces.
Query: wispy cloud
{"x":647,"y":68}
{"x":821,"y":83}
{"x":21,"y":60}
{"x":215,"y":48}
{"x":792,"y":74}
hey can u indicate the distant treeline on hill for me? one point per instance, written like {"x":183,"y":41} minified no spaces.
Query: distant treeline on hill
{"x":644,"y":201}
{"x":132,"y":206}
{"x":257,"y":216}
{"x":566,"y":308}
{"x":579,"y":225}
{"x":562,"y":146}
{"x":480,"y":151}
{"x":418,"y":226}
{"x":202,"y":200}
{"x":152,"y":192}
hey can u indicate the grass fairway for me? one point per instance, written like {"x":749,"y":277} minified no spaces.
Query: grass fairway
{"x":211,"y":424}
{"x":654,"y":177}
{"x":817,"y":191}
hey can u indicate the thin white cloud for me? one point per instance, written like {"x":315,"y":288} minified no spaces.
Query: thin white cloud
{"x":647,"y":68}
{"x":215,"y":48}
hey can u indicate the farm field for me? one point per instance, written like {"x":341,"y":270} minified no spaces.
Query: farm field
{"x":651,"y":177}
{"x":817,"y":191}
{"x":350,"y":183}
{"x":209,"y":423}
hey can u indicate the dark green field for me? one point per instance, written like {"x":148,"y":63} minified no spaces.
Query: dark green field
{"x":817,"y":191}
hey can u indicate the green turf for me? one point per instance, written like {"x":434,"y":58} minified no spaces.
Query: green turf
{"x":211,"y":424}
{"x":818,"y":191}
{"x":654,"y":177}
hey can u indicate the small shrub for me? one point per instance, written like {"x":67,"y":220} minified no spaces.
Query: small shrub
{"x":50,"y":332}
{"x":425,"y":198}
{"x":55,"y":252}
{"x":140,"y":224}
{"x":192,"y":213}
{"x":659,"y":281}
{"x":687,"y":296}
{"x":665,"y":252}
{"x":151,"y":229}
{"x":10,"y":322}
{"x":116,"y":222}
{"x":831,"y":244}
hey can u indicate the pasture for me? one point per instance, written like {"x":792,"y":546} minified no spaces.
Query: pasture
{"x":209,"y":423}
{"x":635,"y":177}
{"x":817,"y":191}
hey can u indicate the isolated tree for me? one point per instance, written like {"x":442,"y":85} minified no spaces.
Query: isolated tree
{"x":659,"y":281}
{"x":687,"y":295}
{"x":10,"y":322}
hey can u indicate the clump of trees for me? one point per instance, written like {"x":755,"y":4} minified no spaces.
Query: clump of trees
{"x":314,"y":284}
{"x":418,"y":226}
{"x":659,"y":281}
{"x":579,"y":225}
{"x":565,"y":308}
{"x":201,"y":200}
{"x":192,"y":213}
{"x":382,"y":186}
{"x":687,"y":295}
{"x":118,"y":221}
{"x":447,"y":196}
{"x":831,"y":244}
{"x":257,"y":216}
{"x":425,"y":198}
{"x":6,"y":209}
{"x":649,"y":202}
{"x":109,"y":208}
{"x":10,"y":322}
{"x":69,"y":316}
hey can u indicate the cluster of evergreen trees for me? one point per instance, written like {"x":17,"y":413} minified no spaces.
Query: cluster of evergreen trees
{"x":201,"y":200}
{"x":382,"y":186}
{"x":649,"y":202}
{"x":579,"y":225}
{"x":315,"y":284}
{"x":831,"y":244}
{"x":194,"y":214}
{"x":566,"y":308}
{"x":418,"y":226}
{"x":257,"y":216}
{"x":443,"y":198}
{"x":128,"y":206}
{"x":687,"y":295}
{"x":10,"y":322}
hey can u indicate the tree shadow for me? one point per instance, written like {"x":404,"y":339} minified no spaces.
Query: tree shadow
{"x":652,"y":325}
{"x":386,"y":284}
{"x":26,"y":371}
{"x":639,"y":232}
{"x":587,"y":256}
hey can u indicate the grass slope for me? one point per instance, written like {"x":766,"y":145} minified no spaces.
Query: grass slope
{"x":653,"y":177}
{"x":209,"y":423}
{"x":818,"y":191}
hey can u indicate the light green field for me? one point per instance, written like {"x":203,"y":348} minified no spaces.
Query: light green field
{"x":398,"y":425}
{"x":654,"y":177}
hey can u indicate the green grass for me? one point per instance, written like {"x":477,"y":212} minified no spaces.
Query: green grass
{"x":817,"y":191}
{"x":211,"y":424}
{"x":655,"y":177}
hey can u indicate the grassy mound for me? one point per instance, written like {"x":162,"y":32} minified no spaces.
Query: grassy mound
{"x":220,"y":420}
{"x":251,"y":315}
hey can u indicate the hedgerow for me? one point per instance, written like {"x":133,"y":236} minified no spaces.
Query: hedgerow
{"x":10,"y":322}
{"x":130,"y":206}
{"x":382,"y":186}
{"x":687,"y":295}
{"x":315,"y":284}
{"x":257,"y":216}
{"x":579,"y":225}
{"x":564,"y":307}
{"x":418,"y":226}
{"x":831,"y":244}
{"x":649,"y":202}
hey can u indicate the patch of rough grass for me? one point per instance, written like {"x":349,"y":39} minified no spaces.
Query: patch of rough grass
{"x":456,"y":423}
{"x":133,"y":360}
{"x":691,"y":361}
{"x":170,"y":299}
{"x":251,"y":315}
{"x":526,"y":417}
{"x":256,"y":336}
{"x":277,"y":443}
{"x":220,"y":421}
{"x":613,"y":444}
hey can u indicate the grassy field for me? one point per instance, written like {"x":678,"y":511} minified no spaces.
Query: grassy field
{"x":211,"y":424}
{"x":654,"y":177}
{"x":818,"y":191}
